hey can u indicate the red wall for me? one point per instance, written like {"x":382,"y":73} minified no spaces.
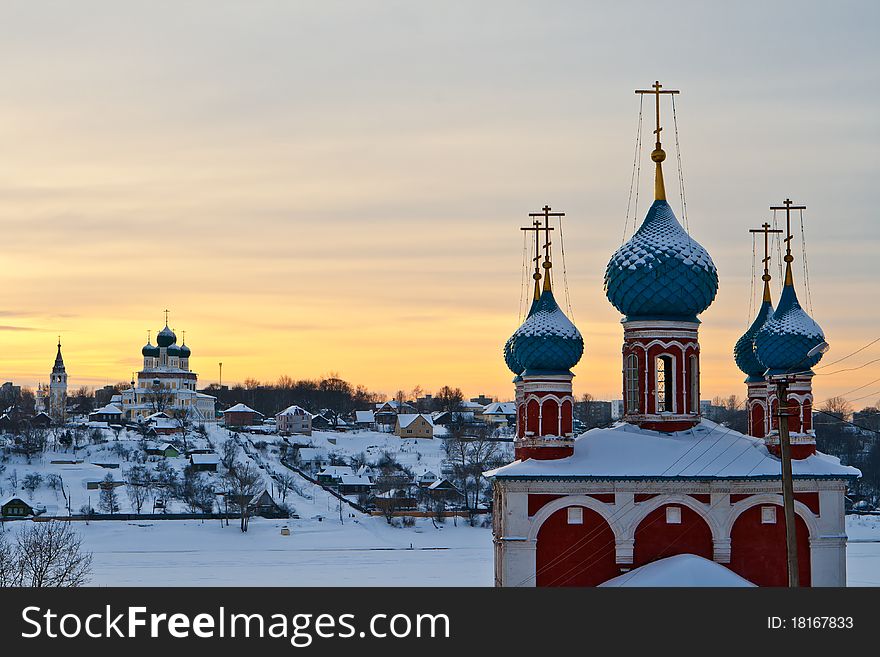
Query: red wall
{"x":657,"y":540}
{"x":758,"y":550}
{"x":575,"y":555}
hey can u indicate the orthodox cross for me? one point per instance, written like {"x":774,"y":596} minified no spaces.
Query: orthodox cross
{"x":788,"y":207}
{"x":166,"y":317}
{"x":657,"y":90}
{"x":546,"y":213}
{"x":765,"y":228}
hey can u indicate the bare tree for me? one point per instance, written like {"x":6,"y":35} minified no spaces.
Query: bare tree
{"x":839,"y":407}
{"x":109,"y":500}
{"x":138,"y":485}
{"x":243,"y":481}
{"x":32,"y":482}
{"x":49,"y":554}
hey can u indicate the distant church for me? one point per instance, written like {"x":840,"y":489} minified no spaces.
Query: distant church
{"x":166,"y":384}
{"x":579,"y":511}
{"x":54,"y":402}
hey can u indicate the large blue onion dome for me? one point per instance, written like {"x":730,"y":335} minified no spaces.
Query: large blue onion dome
{"x":166,"y":337}
{"x":184,"y":351}
{"x":661,"y":273}
{"x":150,"y":350}
{"x":547,"y":341}
{"x":744,"y":349}
{"x":784,"y":341}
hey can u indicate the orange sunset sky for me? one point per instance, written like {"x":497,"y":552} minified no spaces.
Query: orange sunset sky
{"x":338,"y":187}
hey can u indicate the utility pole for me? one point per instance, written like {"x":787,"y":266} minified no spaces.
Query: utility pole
{"x":787,"y":483}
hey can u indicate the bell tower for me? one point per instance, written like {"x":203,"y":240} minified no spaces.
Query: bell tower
{"x":58,"y":389}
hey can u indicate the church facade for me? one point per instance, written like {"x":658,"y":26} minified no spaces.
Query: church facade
{"x":166,"y":384}
{"x":52,"y":399}
{"x":579,"y":511}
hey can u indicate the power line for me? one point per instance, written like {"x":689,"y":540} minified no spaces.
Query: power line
{"x":859,"y":350}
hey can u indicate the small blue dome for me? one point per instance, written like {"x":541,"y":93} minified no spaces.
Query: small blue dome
{"x":509,"y":357}
{"x":185,"y":351}
{"x":744,"y":350}
{"x":784,"y":341}
{"x":166,"y":337}
{"x":547,"y":341}
{"x":150,"y":350}
{"x":661,"y":273}
{"x":174,"y":350}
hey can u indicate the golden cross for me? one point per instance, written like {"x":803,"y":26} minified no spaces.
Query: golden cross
{"x":166,"y":317}
{"x":765,"y":228}
{"x":546,"y":213}
{"x":657,"y":90}
{"x":788,"y":207}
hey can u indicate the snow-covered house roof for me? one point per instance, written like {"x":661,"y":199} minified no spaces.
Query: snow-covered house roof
{"x":205,"y":459}
{"x":406,"y":419}
{"x":294,"y":410}
{"x":500,"y":408}
{"x":241,"y":408}
{"x":354,"y":480}
{"x":336,"y":471}
{"x":364,"y":417}
{"x":708,"y":451}
{"x":680,"y":570}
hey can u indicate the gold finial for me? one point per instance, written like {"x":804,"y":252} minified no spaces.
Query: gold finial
{"x":788,"y":258}
{"x":658,"y":154}
{"x":765,"y":229}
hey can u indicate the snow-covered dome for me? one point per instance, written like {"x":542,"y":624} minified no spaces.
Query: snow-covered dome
{"x":509,"y":358}
{"x":150,"y":350}
{"x":784,"y":341}
{"x":661,"y":273}
{"x":744,"y":349}
{"x":166,"y":337}
{"x":547,"y":341}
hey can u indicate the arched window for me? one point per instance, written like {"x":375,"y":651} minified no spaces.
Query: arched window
{"x":631,"y":376}
{"x":664,"y":365}
{"x":694,"y":391}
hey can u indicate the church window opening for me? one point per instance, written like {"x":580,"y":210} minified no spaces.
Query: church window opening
{"x":694,"y":391}
{"x":575,"y":515}
{"x":664,"y":384}
{"x":768,"y":515}
{"x":673,"y":515}
{"x":632,"y":383}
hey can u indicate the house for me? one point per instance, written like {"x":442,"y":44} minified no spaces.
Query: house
{"x":426,"y":479}
{"x":240,"y":415}
{"x":366,"y":471}
{"x":167,"y":450}
{"x":354,"y":484}
{"x":321,"y":422}
{"x":264,"y":506}
{"x":395,"y":500}
{"x":293,"y":419}
{"x":365,"y":419}
{"x":414,"y":425}
{"x":204,"y":462}
{"x":498,"y":413}
{"x":443,"y":489}
{"x":387,"y":412}
{"x":313,"y":458}
{"x":333,"y":473}
{"x":18,"y":508}
{"x":109,"y":414}
{"x":162,"y":424}
{"x":41,"y":420}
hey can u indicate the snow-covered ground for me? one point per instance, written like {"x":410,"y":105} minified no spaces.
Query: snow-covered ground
{"x":364,"y":553}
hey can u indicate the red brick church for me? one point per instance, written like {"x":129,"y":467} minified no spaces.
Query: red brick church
{"x":582,"y":510}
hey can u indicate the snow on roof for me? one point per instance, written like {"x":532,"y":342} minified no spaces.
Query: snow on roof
{"x":241,"y":408}
{"x":355,"y":480}
{"x":295,"y":410}
{"x":310,"y":453}
{"x":109,"y":409}
{"x":336,"y":470}
{"x":364,"y":416}
{"x":205,"y":459}
{"x":406,"y":419}
{"x":680,"y":570}
{"x":500,"y":408}
{"x":708,"y":451}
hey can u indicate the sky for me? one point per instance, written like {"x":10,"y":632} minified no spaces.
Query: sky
{"x":337,"y":187}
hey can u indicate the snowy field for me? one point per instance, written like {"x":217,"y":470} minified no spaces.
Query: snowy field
{"x":363,"y":553}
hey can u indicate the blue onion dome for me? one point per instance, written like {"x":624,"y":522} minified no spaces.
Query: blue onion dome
{"x":661,"y":273}
{"x":509,"y":358}
{"x":166,"y":337}
{"x":184,"y":351}
{"x":150,"y":350}
{"x":174,"y":350}
{"x":784,"y":341}
{"x":744,"y":349}
{"x":547,"y":341}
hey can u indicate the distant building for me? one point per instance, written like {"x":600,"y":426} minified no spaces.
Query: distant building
{"x":166,"y":383}
{"x":204,"y":462}
{"x":365,"y":419}
{"x":58,"y":389}
{"x":498,"y":413}
{"x":240,"y":415}
{"x":482,"y":400}
{"x":294,"y":419}
{"x":109,"y":414}
{"x":596,"y":413}
{"x":414,"y":425}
